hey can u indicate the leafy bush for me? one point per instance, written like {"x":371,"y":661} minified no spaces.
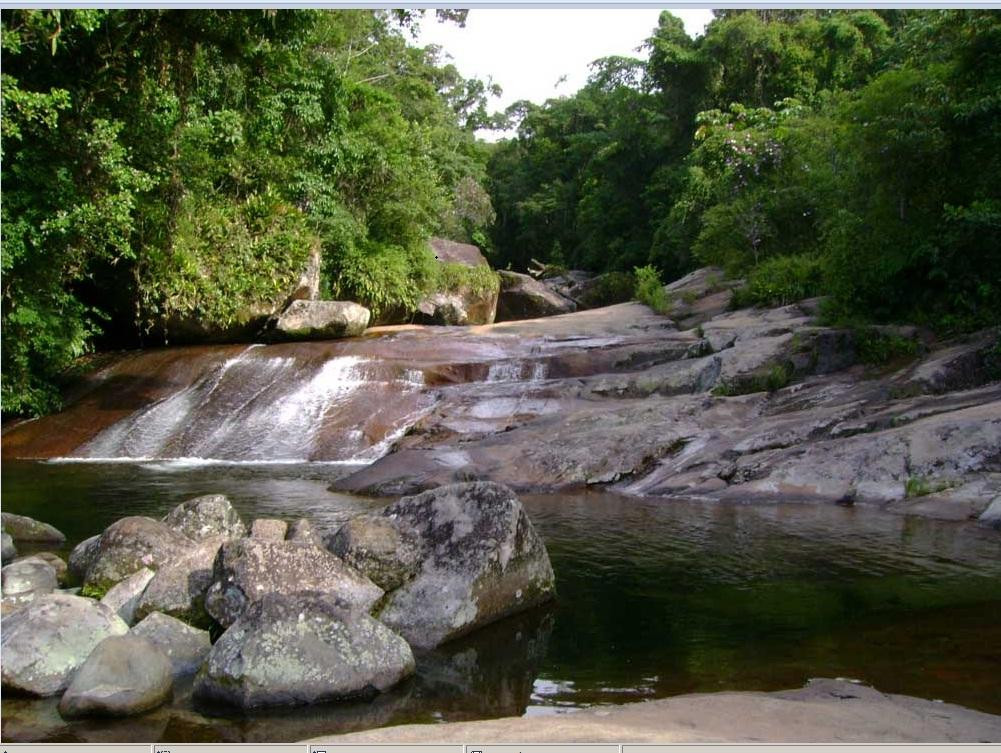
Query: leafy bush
{"x":781,"y":280}
{"x":650,"y":290}
{"x":878,"y":348}
{"x":385,"y":278}
{"x":454,"y":277}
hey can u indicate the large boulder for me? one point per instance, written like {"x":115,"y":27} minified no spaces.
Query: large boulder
{"x":82,"y":557}
{"x":25,"y":580}
{"x":206,"y":517}
{"x":302,"y":648}
{"x":524,"y":297}
{"x":44,"y":643}
{"x":178,"y":588}
{"x":124,"y":675}
{"x":58,"y":563}
{"x":458,"y":307}
{"x":386,"y":550}
{"x":453,"y":252}
{"x":481,"y":560}
{"x":186,"y":647}
{"x":131,"y":544}
{"x":124,"y":597}
{"x":23,"y":528}
{"x":268,"y":529}
{"x":246,"y":569}
{"x":320,"y":320}
{"x":9,"y":551}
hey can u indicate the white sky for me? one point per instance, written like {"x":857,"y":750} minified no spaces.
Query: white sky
{"x":527,"y":50}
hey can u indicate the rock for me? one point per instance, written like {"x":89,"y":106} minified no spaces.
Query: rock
{"x":131,"y":544}
{"x":524,"y":297}
{"x":82,"y":557}
{"x":302,"y":531}
{"x":57,"y":562}
{"x":992,"y":515}
{"x":302,"y":648}
{"x":25,"y":580}
{"x":481,"y":560}
{"x":383,"y":549}
{"x":124,"y":597}
{"x":268,"y":529}
{"x":186,"y":647}
{"x":124,"y":675}
{"x":23,"y":528}
{"x":320,"y":320}
{"x":44,"y":643}
{"x":453,"y":252}
{"x":246,"y":569}
{"x":178,"y":588}
{"x":458,"y":308}
{"x":9,"y":551}
{"x":206,"y":517}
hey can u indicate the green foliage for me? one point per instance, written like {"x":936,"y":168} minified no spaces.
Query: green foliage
{"x":610,"y":288}
{"x":919,"y":486}
{"x":455,"y":277}
{"x":650,"y":290}
{"x":879,"y":348}
{"x":385,"y":278}
{"x":774,"y":378}
{"x":781,"y":280}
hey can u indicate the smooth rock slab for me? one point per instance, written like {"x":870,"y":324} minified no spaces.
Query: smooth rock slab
{"x":206,"y":517}
{"x":131,"y":544}
{"x":23,"y":528}
{"x":45,"y":643}
{"x":481,"y":560}
{"x":247,"y":569}
{"x":124,"y":597}
{"x":178,"y":589}
{"x":186,"y":647}
{"x":124,"y":675}
{"x":302,"y":648}
{"x":321,"y":320}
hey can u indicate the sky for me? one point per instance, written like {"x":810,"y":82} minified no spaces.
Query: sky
{"x":527,"y":51}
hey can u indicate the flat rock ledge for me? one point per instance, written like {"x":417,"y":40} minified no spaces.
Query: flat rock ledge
{"x":823,"y":711}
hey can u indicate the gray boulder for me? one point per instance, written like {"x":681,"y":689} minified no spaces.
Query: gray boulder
{"x":268,"y":529}
{"x":453,"y":252}
{"x":186,"y":647}
{"x":481,"y":560}
{"x":992,"y":515}
{"x":302,"y":648}
{"x":82,"y":557}
{"x":44,"y":643}
{"x":58,"y":563}
{"x":124,"y":675}
{"x":8,"y":551}
{"x":206,"y":517}
{"x":23,"y":528}
{"x":124,"y":597}
{"x":178,"y":588}
{"x":131,"y":544}
{"x":383,"y":549}
{"x":246,"y":569}
{"x":321,"y":320}
{"x":302,"y":531}
{"x":524,"y":297}
{"x":25,"y":580}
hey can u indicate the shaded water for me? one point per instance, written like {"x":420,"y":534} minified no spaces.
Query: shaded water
{"x":656,"y":598}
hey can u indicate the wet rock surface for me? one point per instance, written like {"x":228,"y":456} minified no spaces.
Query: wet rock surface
{"x":290,"y":649}
{"x":123,"y":675}
{"x":44,"y":643}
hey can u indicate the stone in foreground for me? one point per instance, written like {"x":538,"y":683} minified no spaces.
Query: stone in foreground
{"x":302,"y":648}
{"x":27,"y":579}
{"x":206,"y":517}
{"x":481,"y":560}
{"x":23,"y":528}
{"x":45,"y":643}
{"x":131,"y":544}
{"x":186,"y":647}
{"x":247,"y":569}
{"x":383,"y":549}
{"x":124,"y":597}
{"x":321,"y":320}
{"x":124,"y":675}
{"x":178,"y":588}
{"x":82,"y":557}
{"x":269,"y":529}
{"x":9,"y":551}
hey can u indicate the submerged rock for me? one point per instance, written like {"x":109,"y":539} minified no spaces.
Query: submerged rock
{"x":124,"y":675}
{"x":178,"y":588}
{"x":186,"y":647}
{"x":206,"y":517}
{"x":481,"y":560}
{"x":524,"y":297}
{"x":44,"y":643}
{"x":7,"y":549}
{"x":247,"y":569}
{"x":130,"y":544}
{"x":321,"y":320}
{"x":302,"y":648}
{"x":124,"y":597}
{"x":383,"y":549}
{"x":23,"y":528}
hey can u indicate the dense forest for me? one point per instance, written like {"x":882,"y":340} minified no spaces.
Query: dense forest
{"x":168,"y":164}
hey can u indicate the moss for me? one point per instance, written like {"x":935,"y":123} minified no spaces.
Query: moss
{"x":920,"y":486}
{"x":775,"y":378}
{"x":95,"y":591}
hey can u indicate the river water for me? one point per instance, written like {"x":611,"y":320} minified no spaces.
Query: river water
{"x":656,"y":598}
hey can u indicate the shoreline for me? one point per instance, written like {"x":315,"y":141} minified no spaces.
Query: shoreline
{"x":823,"y":711}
